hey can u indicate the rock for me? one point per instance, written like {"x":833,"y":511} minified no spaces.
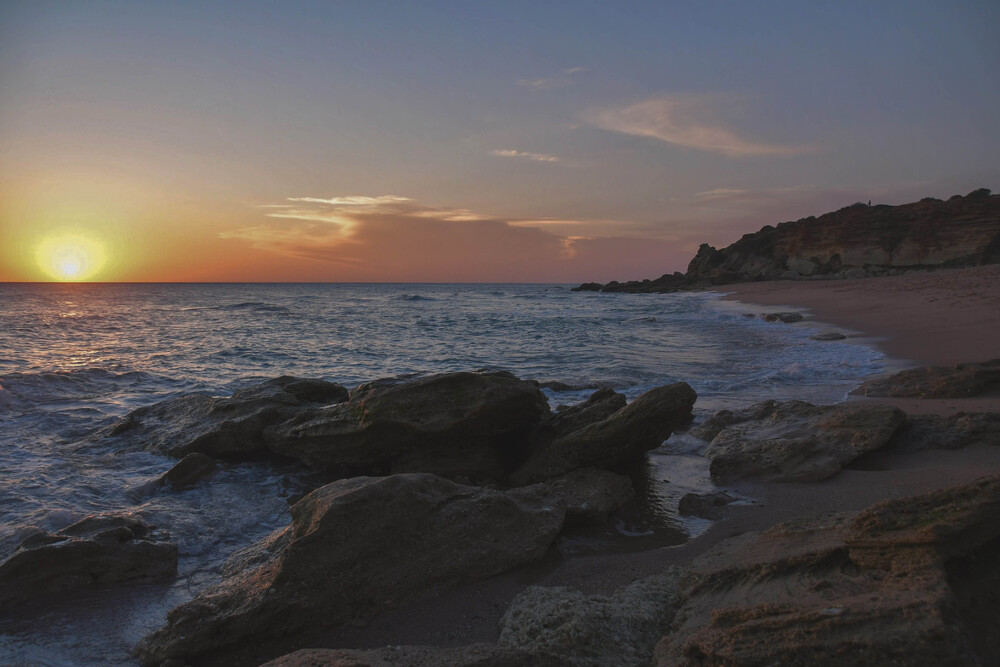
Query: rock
{"x":591,"y":494}
{"x":221,"y":427}
{"x":593,"y":630}
{"x":189,"y":471}
{"x":100,"y":549}
{"x":787,"y":318}
{"x":937,"y":432}
{"x":358,"y":546}
{"x":828,"y":335}
{"x":711,"y":427}
{"x":469,"y":425}
{"x":959,"y":381}
{"x":802,"y":266}
{"x":909,"y":581}
{"x":855,"y":273}
{"x":474,"y":655}
{"x":588,"y":287}
{"x":711,"y":506}
{"x":602,"y":404}
{"x":801,"y":442}
{"x":639,"y":426}
{"x":790,"y":275}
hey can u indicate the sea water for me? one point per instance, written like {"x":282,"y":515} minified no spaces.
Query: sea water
{"x":76,"y":357}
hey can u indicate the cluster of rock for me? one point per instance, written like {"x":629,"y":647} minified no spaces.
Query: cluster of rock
{"x":857,"y":241}
{"x":960,"y":381}
{"x":909,"y":581}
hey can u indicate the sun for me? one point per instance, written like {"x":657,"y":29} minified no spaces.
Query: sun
{"x":70,"y":257}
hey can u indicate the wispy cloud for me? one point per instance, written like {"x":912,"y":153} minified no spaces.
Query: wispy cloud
{"x":537,"y":157}
{"x":396,"y":238}
{"x":566,"y":77}
{"x":685,"y":120}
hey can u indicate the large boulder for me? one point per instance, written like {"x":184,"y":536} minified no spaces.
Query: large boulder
{"x":98,"y":550}
{"x":591,"y":494}
{"x":356,"y":547}
{"x":472,"y":425}
{"x":910,"y":581}
{"x":798,"y":441}
{"x":221,"y":426}
{"x":593,"y":630}
{"x":958,"y":381}
{"x":641,"y":425}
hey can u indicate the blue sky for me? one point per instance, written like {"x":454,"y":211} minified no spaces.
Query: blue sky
{"x":545,"y":141}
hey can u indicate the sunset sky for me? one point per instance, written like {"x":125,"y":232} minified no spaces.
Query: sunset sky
{"x":469,"y":141}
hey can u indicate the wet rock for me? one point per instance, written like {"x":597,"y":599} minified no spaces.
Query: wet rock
{"x":470,"y":425}
{"x":959,"y":381}
{"x":711,"y":506}
{"x":356,"y":547}
{"x":189,"y":471}
{"x":474,"y":655}
{"x":828,"y":335}
{"x":602,"y":404}
{"x":798,"y":441}
{"x":221,"y":427}
{"x":711,"y":427}
{"x":591,"y":494}
{"x":593,"y":630}
{"x":937,"y":432}
{"x":787,"y":318}
{"x":588,"y":287}
{"x":100,"y":549}
{"x":908,"y":581}
{"x":639,"y":426}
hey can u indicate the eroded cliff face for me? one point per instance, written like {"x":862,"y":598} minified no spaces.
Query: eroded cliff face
{"x":963,"y":231}
{"x":854,"y":242}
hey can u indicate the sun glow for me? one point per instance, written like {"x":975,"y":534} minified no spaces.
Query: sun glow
{"x":70,"y":257}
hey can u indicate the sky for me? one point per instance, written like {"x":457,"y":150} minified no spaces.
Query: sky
{"x":469,"y":141}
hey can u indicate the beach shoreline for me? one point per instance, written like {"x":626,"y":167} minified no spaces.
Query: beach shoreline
{"x":937,"y":318}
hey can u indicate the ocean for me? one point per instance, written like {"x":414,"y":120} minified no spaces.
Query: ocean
{"x":76,"y":357}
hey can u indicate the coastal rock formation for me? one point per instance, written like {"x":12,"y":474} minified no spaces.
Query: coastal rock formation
{"x":474,"y":655}
{"x":591,"y":494}
{"x":473,"y":425}
{"x":797,"y":441}
{"x":952,"y":432}
{"x":910,"y":581}
{"x":639,"y":426}
{"x":100,"y":549}
{"x":221,"y":427}
{"x":710,"y":506}
{"x":855,"y":242}
{"x":959,"y":381}
{"x":356,"y":547}
{"x":188,"y":471}
{"x":593,"y":630}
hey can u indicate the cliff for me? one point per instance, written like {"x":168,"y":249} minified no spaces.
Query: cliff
{"x":854,"y":242}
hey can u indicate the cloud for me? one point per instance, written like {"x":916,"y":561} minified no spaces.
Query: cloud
{"x":392,"y":238}
{"x":684,"y":120}
{"x":537,"y":157}
{"x":565,"y":78}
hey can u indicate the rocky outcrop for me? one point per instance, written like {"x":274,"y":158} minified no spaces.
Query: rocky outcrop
{"x":951,"y":432}
{"x":188,"y":471}
{"x":472,"y":425}
{"x":356,"y":547}
{"x":593,"y":630}
{"x":797,"y":441}
{"x":909,"y":581}
{"x":474,"y":655}
{"x":855,"y":242}
{"x":710,"y":506}
{"x":638,"y":427}
{"x":959,"y":381}
{"x":221,"y":427}
{"x":98,"y":550}
{"x":591,"y":494}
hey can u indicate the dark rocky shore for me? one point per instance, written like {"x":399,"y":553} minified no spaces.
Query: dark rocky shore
{"x":857,"y":241}
{"x":438,"y":482}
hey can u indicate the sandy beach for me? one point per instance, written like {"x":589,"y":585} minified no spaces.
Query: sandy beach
{"x":935,"y":318}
